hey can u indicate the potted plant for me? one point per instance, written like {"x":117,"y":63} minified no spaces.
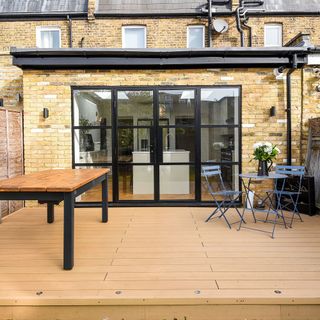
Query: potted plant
{"x":265,"y":153}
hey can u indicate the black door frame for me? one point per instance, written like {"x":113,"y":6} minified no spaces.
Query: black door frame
{"x":115,"y":165}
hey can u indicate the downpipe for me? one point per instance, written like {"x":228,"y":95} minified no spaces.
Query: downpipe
{"x":241,"y":15}
{"x":70,"y":31}
{"x":289,"y":109}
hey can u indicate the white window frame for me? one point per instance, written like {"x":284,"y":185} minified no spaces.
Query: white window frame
{"x":134,"y":27}
{"x":39,"y":29}
{"x":203,"y":33}
{"x":273,"y":25}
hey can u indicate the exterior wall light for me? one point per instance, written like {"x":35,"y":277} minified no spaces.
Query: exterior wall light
{"x":318,"y":88}
{"x":273,"y":111}
{"x":278,"y":71}
{"x":45,"y":113}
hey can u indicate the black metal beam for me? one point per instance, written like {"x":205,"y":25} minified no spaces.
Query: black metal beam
{"x":122,"y":59}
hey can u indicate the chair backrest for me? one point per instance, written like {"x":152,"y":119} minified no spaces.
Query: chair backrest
{"x":292,"y":171}
{"x":209,"y":171}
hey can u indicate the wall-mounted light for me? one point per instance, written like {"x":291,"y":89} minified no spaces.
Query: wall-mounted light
{"x":19,"y":97}
{"x":1,"y":102}
{"x":45,"y":113}
{"x":278,"y":71}
{"x":273,"y":111}
{"x":318,"y":88}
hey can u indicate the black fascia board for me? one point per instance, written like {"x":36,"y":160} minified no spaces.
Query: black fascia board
{"x":155,"y":58}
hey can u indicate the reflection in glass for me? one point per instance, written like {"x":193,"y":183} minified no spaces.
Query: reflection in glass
{"x":95,"y":194}
{"x":230,"y":176}
{"x":93,"y":145}
{"x":177,"y":104}
{"x":92,"y":107}
{"x":136,"y":182}
{"x":178,"y":144}
{"x":219,"y":106}
{"x":134,"y":144}
{"x":220,"y":144}
{"x":177,"y":182}
{"x":135,"y":105}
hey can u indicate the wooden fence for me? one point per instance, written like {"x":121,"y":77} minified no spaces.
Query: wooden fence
{"x":313,"y":156}
{"x":11,"y":153}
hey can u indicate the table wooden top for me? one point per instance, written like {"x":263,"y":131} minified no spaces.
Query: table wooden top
{"x":60,"y":180}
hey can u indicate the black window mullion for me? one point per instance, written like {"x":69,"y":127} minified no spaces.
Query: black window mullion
{"x":198,"y":145}
{"x":157,"y":146}
{"x":114,"y":120}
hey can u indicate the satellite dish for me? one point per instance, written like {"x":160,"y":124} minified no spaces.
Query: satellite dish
{"x":220,"y":25}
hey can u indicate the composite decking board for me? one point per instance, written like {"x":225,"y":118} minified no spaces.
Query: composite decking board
{"x":175,"y":256}
{"x":268,"y":284}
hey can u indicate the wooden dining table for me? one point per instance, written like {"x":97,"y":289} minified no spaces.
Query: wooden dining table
{"x":52,"y":187}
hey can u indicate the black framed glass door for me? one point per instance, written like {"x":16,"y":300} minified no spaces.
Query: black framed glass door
{"x":155,"y":140}
{"x":135,"y":145}
{"x":176,"y":144}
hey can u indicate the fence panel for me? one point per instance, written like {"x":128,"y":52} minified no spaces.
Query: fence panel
{"x":11,"y":153}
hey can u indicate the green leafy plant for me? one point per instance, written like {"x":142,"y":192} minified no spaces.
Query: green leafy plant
{"x":265,"y":151}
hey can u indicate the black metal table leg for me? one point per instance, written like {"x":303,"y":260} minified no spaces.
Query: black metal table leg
{"x":104,"y":184}
{"x":68,"y":249}
{"x":50,"y":212}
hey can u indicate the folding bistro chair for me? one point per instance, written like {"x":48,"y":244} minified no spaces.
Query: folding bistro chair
{"x":229,"y":197}
{"x":287,"y":198}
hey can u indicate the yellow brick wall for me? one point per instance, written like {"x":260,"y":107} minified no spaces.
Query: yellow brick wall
{"x":10,"y":83}
{"x":291,"y":26}
{"x":161,"y":32}
{"x":48,"y":141}
{"x":22,"y":34}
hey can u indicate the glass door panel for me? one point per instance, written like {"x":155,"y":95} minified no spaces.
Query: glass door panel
{"x":135,"y":128}
{"x":93,"y":145}
{"x":177,"y":182}
{"x":219,"y":144}
{"x":176,"y":104}
{"x":220,"y":106}
{"x":136,"y":182}
{"x":176,"y":144}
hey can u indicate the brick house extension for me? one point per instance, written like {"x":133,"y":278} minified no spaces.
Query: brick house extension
{"x":154,"y":89}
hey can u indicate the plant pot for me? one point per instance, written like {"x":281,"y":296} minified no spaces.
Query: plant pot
{"x":263,"y":169}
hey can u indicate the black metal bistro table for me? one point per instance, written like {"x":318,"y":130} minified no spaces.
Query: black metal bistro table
{"x":247,"y":189}
{"x":54,"y":186}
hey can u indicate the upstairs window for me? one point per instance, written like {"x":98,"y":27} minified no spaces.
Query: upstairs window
{"x":48,"y":37}
{"x":273,"y":35}
{"x":134,"y":37}
{"x":195,"y":37}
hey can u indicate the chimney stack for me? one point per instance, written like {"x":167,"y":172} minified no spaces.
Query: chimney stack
{"x":91,"y":9}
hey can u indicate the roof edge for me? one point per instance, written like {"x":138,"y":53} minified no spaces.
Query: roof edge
{"x":159,"y":58}
{"x":37,"y":15}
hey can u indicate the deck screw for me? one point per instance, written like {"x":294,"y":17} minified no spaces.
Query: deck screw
{"x":197,"y":292}
{"x":39,"y":293}
{"x":277,"y":291}
{"x":118,"y":292}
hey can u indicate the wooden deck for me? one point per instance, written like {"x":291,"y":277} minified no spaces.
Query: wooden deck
{"x":157,"y":263}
